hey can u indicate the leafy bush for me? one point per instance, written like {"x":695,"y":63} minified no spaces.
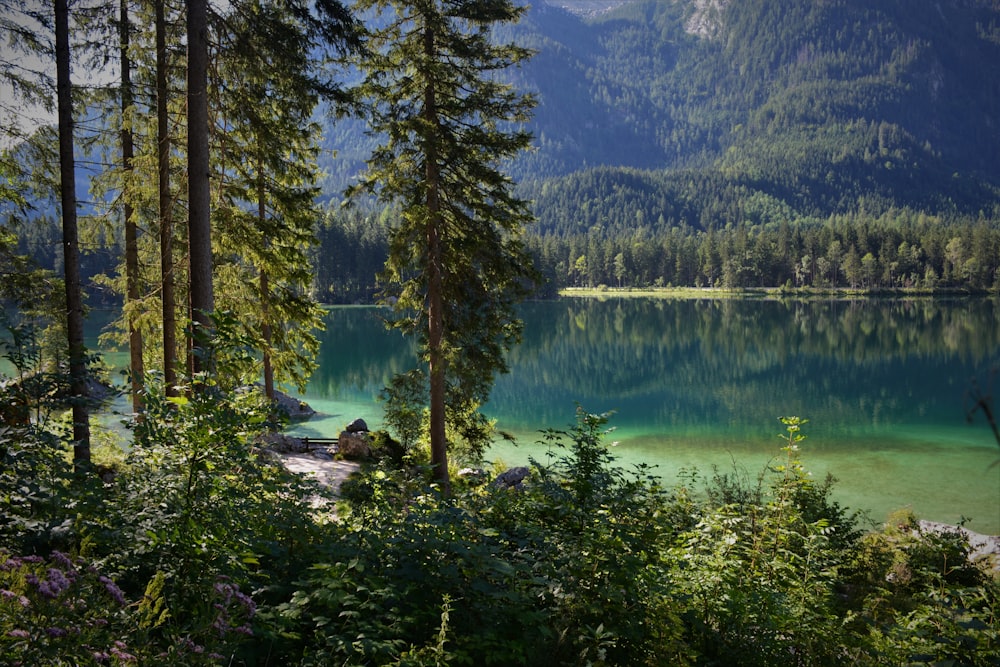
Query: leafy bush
{"x":405,"y":575}
{"x":196,"y":500}
{"x":598,"y":538}
{"x":202,"y":550}
{"x":63,"y":610}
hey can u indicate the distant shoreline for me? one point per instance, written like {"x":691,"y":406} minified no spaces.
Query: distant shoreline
{"x":767,"y":292}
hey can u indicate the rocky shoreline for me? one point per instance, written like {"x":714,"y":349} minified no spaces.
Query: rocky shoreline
{"x":319,"y":458}
{"x":984,"y":548}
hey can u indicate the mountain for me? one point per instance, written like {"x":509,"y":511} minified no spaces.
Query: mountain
{"x":587,"y":7}
{"x":687,"y":110}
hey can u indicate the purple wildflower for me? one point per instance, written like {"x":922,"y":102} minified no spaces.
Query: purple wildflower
{"x":247,"y":602}
{"x":46,"y":589}
{"x":18,"y":633}
{"x":58,"y":581}
{"x":7,"y":595}
{"x":32,"y":559}
{"x":122,"y":655}
{"x":216,"y":656}
{"x":244,"y":630}
{"x":63,"y":560}
{"x":225,"y":590}
{"x":113,"y":590}
{"x":55,"y":632}
{"x":12,"y":563}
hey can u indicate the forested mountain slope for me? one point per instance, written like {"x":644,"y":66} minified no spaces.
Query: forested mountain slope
{"x":713,"y":112}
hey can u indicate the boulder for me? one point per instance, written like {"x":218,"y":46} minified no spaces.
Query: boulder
{"x":322,"y":454}
{"x":357,"y":426}
{"x":512,"y":478}
{"x":295,"y":409}
{"x":981,"y":547}
{"x":354,"y":445}
{"x":281,"y":443}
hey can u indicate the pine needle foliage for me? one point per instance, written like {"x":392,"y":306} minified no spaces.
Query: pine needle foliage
{"x":456,"y":265}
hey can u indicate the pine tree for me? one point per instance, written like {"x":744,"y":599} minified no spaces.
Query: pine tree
{"x":267,"y":145}
{"x":71,"y":246}
{"x":199,"y":192}
{"x":165,"y":216}
{"x":132,"y":279}
{"x":457,"y":264}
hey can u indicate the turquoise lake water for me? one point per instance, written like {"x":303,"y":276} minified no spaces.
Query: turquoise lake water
{"x":886,"y":384}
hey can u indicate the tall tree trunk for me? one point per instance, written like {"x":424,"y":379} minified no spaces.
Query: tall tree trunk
{"x":131,"y":239}
{"x":435,"y":289}
{"x":266,"y":333}
{"x":199,"y":195}
{"x":265,"y":289}
{"x":168,"y":301}
{"x":71,"y":247}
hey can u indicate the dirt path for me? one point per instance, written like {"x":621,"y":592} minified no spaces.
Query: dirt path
{"x":328,"y":472}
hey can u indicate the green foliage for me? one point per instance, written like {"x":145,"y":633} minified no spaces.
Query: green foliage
{"x":34,"y":441}
{"x":760,"y":578}
{"x":601,"y":538}
{"x":405,"y":400}
{"x":385,"y":448}
{"x":266,"y":217}
{"x":197,"y":500}
{"x":201,"y":550}
{"x":456,"y":265}
{"x":403,"y":563}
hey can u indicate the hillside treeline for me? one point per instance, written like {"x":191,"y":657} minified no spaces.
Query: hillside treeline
{"x":898,"y":250}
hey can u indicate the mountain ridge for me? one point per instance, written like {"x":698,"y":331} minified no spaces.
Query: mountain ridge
{"x":826,"y":107}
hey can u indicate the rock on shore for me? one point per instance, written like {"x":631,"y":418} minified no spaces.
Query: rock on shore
{"x":984,"y":547}
{"x":297,"y":410}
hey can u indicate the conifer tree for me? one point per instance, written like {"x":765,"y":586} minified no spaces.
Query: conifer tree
{"x":267,"y":144}
{"x":71,"y":246}
{"x":201,"y":289}
{"x":168,"y":303}
{"x":456,"y":265}
{"x":136,"y":366}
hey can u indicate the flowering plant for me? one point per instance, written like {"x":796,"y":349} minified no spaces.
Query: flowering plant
{"x":61,"y":608}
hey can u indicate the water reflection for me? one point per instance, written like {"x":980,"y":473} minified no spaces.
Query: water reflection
{"x":702,"y":382}
{"x":733,"y":363}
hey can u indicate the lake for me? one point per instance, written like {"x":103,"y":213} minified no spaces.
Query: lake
{"x":885,"y":384}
